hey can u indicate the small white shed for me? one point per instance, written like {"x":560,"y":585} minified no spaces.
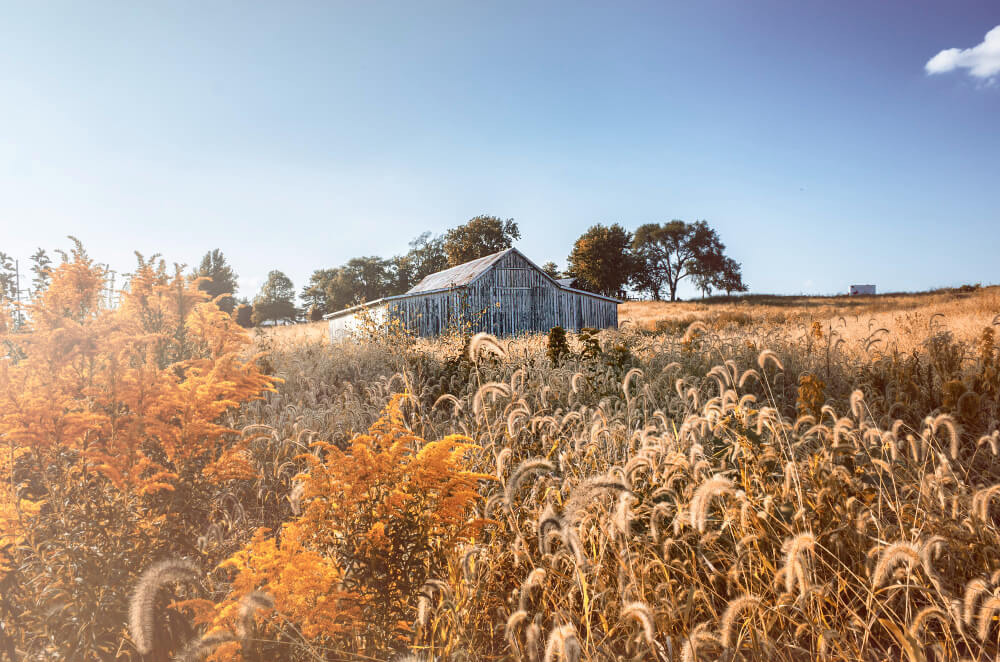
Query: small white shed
{"x":862,"y":289}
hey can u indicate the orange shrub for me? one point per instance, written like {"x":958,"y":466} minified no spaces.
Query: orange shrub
{"x":112,"y":444}
{"x":376,"y":521}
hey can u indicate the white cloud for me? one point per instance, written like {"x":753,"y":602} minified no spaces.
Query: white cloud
{"x":982,"y":60}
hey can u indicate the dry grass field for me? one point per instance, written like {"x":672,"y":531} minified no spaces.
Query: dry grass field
{"x":306,"y":331}
{"x":903,"y":315}
{"x":781,"y":479}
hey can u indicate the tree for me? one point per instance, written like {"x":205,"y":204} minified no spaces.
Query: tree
{"x":276,"y":299}
{"x":551,"y":268}
{"x":729,"y":277}
{"x":316,"y":293}
{"x":481,"y":236}
{"x":244,"y":314}
{"x":361,"y":279}
{"x":719,"y":272}
{"x":368,"y":278}
{"x":426,"y":256}
{"x":221,"y":279}
{"x":41,"y":266}
{"x":601,"y":260}
{"x":673,"y":251}
{"x":8,"y":278}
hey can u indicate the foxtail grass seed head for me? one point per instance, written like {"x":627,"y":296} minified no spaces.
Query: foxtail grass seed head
{"x":141,"y":606}
{"x":563,"y":645}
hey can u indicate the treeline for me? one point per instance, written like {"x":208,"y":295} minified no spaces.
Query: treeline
{"x":606,"y":259}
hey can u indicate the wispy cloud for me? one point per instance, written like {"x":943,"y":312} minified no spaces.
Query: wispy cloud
{"x":982,"y":60}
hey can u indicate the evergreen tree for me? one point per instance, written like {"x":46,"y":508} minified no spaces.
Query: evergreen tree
{"x":221,"y":279}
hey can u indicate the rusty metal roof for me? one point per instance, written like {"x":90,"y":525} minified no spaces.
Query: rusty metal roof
{"x":458,"y":276}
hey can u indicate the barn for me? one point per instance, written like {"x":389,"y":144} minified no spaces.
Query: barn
{"x":504,"y":294}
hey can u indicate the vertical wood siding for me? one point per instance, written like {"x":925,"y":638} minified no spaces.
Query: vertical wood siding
{"x":511,"y":298}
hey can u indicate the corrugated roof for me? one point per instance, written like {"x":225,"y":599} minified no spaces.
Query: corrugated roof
{"x":458,"y":276}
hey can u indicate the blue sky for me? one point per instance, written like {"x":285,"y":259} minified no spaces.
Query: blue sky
{"x":297,"y":135}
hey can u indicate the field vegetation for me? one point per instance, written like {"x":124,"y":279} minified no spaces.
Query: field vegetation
{"x":790,"y":480}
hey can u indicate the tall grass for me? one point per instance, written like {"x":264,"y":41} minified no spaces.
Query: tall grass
{"x":741,"y":486}
{"x":672,"y":497}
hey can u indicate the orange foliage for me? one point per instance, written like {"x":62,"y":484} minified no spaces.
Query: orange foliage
{"x":138,"y":390}
{"x":105,"y":413}
{"x":375,"y":523}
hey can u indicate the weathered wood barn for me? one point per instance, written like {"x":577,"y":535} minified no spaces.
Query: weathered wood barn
{"x":503,"y":294}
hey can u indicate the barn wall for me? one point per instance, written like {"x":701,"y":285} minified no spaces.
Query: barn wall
{"x":346,"y":325}
{"x":430,"y":314}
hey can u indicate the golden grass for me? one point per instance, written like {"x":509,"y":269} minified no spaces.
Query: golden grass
{"x":307,"y":331}
{"x":906,"y":316}
{"x":773,"y":478}
{"x":771,"y":483}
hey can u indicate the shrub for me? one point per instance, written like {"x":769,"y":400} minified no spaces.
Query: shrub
{"x":377,"y":520}
{"x":114,"y":447}
{"x":812,"y":396}
{"x":591,"y":344}
{"x":244,"y":315}
{"x":558,"y":346}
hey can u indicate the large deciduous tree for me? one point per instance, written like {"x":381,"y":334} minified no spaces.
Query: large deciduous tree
{"x":730,"y":277}
{"x":481,"y":236}
{"x":220,"y":279}
{"x":276,"y":300}
{"x":601,"y":260}
{"x":670,"y":252}
{"x":361,"y":279}
{"x":718,"y":272}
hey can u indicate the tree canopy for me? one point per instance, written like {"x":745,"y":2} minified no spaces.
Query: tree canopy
{"x":41,"y":266}
{"x":601,"y":260}
{"x":481,"y":236}
{"x":361,"y":279}
{"x":718,"y":272}
{"x":276,"y":300}
{"x":425,"y":257}
{"x":221,"y":279}
{"x":551,"y":268}
{"x":8,"y":278}
{"x":670,"y":252}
